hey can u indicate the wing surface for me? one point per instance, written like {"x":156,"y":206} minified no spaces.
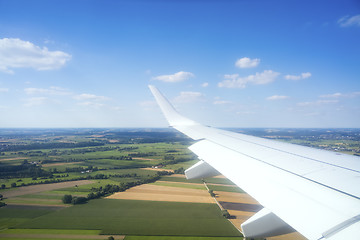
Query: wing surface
{"x":314,"y":191}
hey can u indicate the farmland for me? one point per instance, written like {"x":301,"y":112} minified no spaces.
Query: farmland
{"x":132,"y":180}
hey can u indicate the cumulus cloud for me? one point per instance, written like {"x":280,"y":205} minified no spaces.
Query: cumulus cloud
{"x":16,"y":53}
{"x":298,"y":77}
{"x":277,"y":97}
{"x":87,"y":96}
{"x":234,"y":81}
{"x":348,"y":21}
{"x":247,"y":62}
{"x":176,"y":77}
{"x":205,"y":84}
{"x":47,"y":91}
{"x":186,"y":97}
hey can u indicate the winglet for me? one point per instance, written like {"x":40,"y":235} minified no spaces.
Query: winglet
{"x":171,"y":115}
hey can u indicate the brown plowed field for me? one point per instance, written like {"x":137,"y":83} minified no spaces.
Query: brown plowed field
{"x":235,"y":197}
{"x":161,"y":193}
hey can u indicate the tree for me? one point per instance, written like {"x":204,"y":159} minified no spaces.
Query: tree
{"x":3,"y":186}
{"x":111,"y":238}
{"x":67,"y":198}
{"x":79,"y":200}
{"x":225,"y":213}
{"x":1,"y":196}
{"x":13,"y":184}
{"x":212,"y":193}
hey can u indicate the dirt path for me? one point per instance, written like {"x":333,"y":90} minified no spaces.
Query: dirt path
{"x":42,"y":187}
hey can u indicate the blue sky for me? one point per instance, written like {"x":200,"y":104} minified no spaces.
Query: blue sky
{"x":222,"y":63}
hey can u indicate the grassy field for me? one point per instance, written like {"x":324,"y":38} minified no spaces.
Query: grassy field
{"x":225,"y":188}
{"x":51,"y":231}
{"x":132,"y":217}
{"x":11,"y":216}
{"x":179,"y":238}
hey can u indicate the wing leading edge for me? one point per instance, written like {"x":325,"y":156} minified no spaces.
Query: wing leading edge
{"x":316,"y":192}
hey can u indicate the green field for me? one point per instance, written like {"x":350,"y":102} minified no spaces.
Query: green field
{"x":225,"y":188}
{"x":179,"y":238}
{"x":132,"y":217}
{"x":176,"y":184}
{"x":11,"y":216}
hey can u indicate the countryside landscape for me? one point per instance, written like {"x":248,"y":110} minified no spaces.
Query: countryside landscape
{"x":127,"y":184}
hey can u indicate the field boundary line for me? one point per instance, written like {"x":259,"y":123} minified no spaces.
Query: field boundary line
{"x":221,"y":208}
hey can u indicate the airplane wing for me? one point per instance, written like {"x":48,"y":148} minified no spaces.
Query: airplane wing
{"x":315,"y":192}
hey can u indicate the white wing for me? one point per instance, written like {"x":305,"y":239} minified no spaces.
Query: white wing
{"x":316,"y":192}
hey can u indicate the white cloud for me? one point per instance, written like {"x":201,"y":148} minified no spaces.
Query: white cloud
{"x":247,"y":62}
{"x":47,"y":91}
{"x":87,"y":96}
{"x":205,"y":84}
{"x":4,"y":89}
{"x":16,"y":53}
{"x":234,"y":81}
{"x":277,"y":97}
{"x":348,"y":21}
{"x":317,"y":103}
{"x":35,"y":101}
{"x":186,"y":97}
{"x":176,"y":77}
{"x":298,"y":77}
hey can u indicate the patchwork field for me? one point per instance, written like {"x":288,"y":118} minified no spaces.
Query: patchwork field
{"x":84,"y":162}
